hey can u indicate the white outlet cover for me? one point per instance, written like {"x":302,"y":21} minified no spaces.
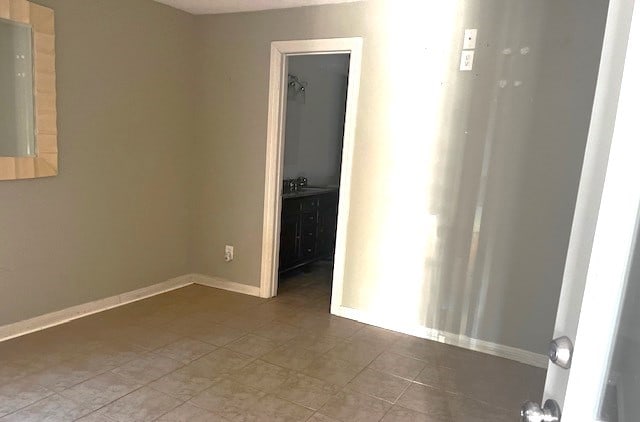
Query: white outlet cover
{"x":466,"y":60}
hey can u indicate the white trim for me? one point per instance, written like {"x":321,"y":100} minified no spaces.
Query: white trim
{"x":52,"y":319}
{"x":613,"y":245}
{"x":221,"y":283}
{"x":495,"y":349}
{"x":275,"y":149}
{"x":592,"y":179}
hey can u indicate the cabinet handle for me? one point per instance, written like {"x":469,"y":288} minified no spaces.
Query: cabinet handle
{"x":308,"y":250}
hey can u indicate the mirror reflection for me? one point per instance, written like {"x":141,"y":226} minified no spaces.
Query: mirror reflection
{"x":17,"y":137}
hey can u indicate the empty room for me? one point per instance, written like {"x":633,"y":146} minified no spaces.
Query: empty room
{"x":319,"y":210}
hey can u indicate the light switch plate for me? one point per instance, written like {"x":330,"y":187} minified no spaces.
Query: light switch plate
{"x":470,"y":38}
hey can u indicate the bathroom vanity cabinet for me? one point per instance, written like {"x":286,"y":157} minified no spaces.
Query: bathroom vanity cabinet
{"x":308,"y":227}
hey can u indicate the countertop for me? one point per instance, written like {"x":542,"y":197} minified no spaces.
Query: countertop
{"x":309,"y":191}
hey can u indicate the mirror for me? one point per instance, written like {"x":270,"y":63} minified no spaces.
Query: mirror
{"x":28,"y":115}
{"x":17,"y":136}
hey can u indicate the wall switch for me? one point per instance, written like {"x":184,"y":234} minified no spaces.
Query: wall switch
{"x":470,"y":37}
{"x":466,"y":60}
{"x":228,"y":253}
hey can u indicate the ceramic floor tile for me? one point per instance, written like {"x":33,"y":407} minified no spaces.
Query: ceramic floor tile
{"x":100,"y":390}
{"x":94,"y":417}
{"x":147,"y":368}
{"x":315,"y":343}
{"x":319,"y":417}
{"x":358,"y":352}
{"x":398,"y":365}
{"x":18,"y":394}
{"x":379,"y":336}
{"x":151,"y":339}
{"x":219,"y":362}
{"x":355,"y":407}
{"x":429,"y":351}
{"x":379,"y":385}
{"x":291,"y":357}
{"x":278,"y":332}
{"x":245,"y":323}
{"x":401,"y":414}
{"x":335,"y":371}
{"x":65,"y":375}
{"x":261,"y":375}
{"x":428,"y":400}
{"x":271,"y":409}
{"x":438,"y":377}
{"x":217,"y":334}
{"x":252,"y":345}
{"x":142,"y":405}
{"x":54,"y":408}
{"x":306,"y":391}
{"x":190,"y":413}
{"x":185,"y":350}
{"x":183,"y":383}
{"x":228,"y":399}
{"x":341,"y":327}
{"x":469,"y":410}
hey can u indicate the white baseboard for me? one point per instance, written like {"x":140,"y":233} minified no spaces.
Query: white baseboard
{"x":41,"y":322}
{"x":221,"y":283}
{"x":52,"y":319}
{"x":508,"y":352}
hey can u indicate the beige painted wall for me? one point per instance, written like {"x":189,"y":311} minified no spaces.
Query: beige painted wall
{"x":116,"y":218}
{"x":420,"y":248}
{"x":162,"y":120}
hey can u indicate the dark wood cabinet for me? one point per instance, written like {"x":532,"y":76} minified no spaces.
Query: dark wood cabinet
{"x":307,"y":229}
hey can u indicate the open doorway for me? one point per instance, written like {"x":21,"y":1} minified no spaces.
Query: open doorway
{"x":314,"y":129}
{"x":312,"y":107}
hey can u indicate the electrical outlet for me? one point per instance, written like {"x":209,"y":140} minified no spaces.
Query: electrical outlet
{"x":228,"y":253}
{"x":466,"y":60}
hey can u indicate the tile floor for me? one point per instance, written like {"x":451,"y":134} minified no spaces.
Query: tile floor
{"x":202,"y":354}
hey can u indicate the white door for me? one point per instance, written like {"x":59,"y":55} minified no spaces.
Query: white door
{"x":596,"y":376}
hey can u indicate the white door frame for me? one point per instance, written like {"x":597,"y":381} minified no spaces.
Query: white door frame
{"x":592,"y":180}
{"x":280,"y":50}
{"x":615,"y":230}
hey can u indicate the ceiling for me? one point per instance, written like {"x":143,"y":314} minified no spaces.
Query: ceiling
{"x":205,"y":7}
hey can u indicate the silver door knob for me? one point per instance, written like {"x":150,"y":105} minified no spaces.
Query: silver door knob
{"x":531,"y":412}
{"x":560,"y":352}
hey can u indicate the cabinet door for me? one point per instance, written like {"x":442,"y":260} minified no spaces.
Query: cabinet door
{"x":327,"y":225}
{"x":289,"y":240}
{"x":308,"y":236}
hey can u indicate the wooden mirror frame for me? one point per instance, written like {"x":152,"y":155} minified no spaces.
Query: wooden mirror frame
{"x":45,"y":162}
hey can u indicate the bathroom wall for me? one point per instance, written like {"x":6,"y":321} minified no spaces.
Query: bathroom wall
{"x":117,"y":217}
{"x":463,"y":183}
{"x":315,"y":120}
